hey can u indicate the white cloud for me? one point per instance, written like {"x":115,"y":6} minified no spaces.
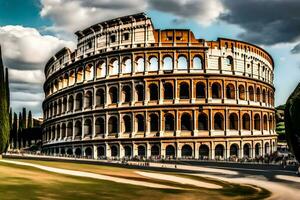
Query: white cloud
{"x":32,"y":76}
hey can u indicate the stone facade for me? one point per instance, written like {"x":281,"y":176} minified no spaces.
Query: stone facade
{"x":130,"y":90}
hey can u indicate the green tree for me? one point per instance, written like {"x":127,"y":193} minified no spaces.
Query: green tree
{"x":29,"y":119}
{"x":4,"y":108}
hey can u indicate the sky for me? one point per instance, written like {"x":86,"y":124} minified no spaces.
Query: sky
{"x":31,"y":31}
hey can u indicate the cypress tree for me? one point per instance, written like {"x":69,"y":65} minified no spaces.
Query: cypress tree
{"x":4,"y":108}
{"x":15,"y":130}
{"x":24,"y":117}
{"x":29,"y":119}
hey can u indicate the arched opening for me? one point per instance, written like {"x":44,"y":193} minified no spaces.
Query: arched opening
{"x":233,"y":121}
{"x":100,"y":126}
{"x":62,"y":151}
{"x":168,"y":91}
{"x":246,"y":150}
{"x":204,"y":151}
{"x":64,"y":107}
{"x":200,"y":90}
{"x":153,"y":92}
{"x":127,"y":124}
{"x":78,"y":152}
{"x":169,"y":122}
{"x":202,"y":121}
{"x":265,"y":122}
{"x":66,"y":80}
{"x":264,"y":96}
{"x":127,"y":151}
{"x":87,"y":127}
{"x":267,"y":148}
{"x":113,"y":125}
{"x":170,"y":151}
{"x":101,"y":69}
{"x":184,"y":91}
{"x":234,"y":150}
{"x":258,"y":94}
{"x":71,"y":103}
{"x":256,"y":122}
{"x":70,"y":152}
{"x":153,"y":122}
{"x":101,"y":151}
{"x":141,"y":151}
{"x":58,"y":132}
{"x":218,"y":121}
{"x":55,"y":108}
{"x":230,"y":92}
{"x":78,"y":129}
{"x":72,"y":78}
{"x":167,"y":63}
{"x":153,"y":66}
{"x":186,"y":151}
{"x":88,"y":99}
{"x":251,"y":93}
{"x":257,"y":149}
{"x":89,"y":72}
{"x":127,"y":66}
{"x":63,"y":130}
{"x":140,"y":65}
{"x":140,"y":92}
{"x":70,"y":129}
{"x":155,"y":150}
{"x":100,"y":97}
{"x":241,"y":92}
{"x":114,"y":67}
{"x":197,"y":63}
{"x":78,"y":102}
{"x":229,"y":62}
{"x":59,"y":107}
{"x":88,"y":152}
{"x":216,"y":90}
{"x":140,"y":123}
{"x":246,"y":122}
{"x":126,"y":90}
{"x":114,"y":151}
{"x":186,"y":122}
{"x":79,"y":75}
{"x":219,"y":151}
{"x":113,"y":93}
{"x":182,"y":62}
{"x":270,"y":123}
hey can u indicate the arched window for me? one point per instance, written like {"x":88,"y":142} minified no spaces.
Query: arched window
{"x":72,"y":78}
{"x":197,"y":63}
{"x":78,"y":103}
{"x":270,"y":123}
{"x":127,"y":66}
{"x":267,"y":148}
{"x":78,"y":152}
{"x":128,"y":152}
{"x":59,"y":107}
{"x":70,"y":129}
{"x":168,"y":91}
{"x":186,"y":122}
{"x":87,"y":127}
{"x":58,"y":132}
{"x":100,"y":97}
{"x":170,"y":151}
{"x":184,"y":90}
{"x":264,"y":96}
{"x":113,"y":93}
{"x":55,"y":108}
{"x":88,"y":99}
{"x":101,"y":151}
{"x":169,"y":122}
{"x":246,"y":150}
{"x":153,"y":91}
{"x":127,"y":124}
{"x":258,"y":94}
{"x":241,"y":92}
{"x":66,"y":80}
{"x":216,"y":90}
{"x":140,"y":65}
{"x":126,"y":90}
{"x":246,"y":122}
{"x":219,"y":151}
{"x":100,"y":126}
{"x":251,"y":93}
{"x":89,"y":72}
{"x":200,"y":90}
{"x":88,"y":152}
{"x":113,"y":38}
{"x":64,"y":109}
{"x":114,"y":68}
{"x":113,"y":125}
{"x":229,"y":61}
{"x":257,"y":149}
{"x":63,"y":131}
{"x":153,"y":64}
{"x":186,"y":151}
{"x":204,"y":151}
{"x":230,"y":92}
{"x":140,"y":123}
{"x":233,"y":121}
{"x":140,"y":92}
{"x":153,"y":122}
{"x":234,"y":150}
{"x":79,"y":75}
{"x":101,"y":69}
{"x":265,"y":122}
{"x":202,"y":121}
{"x":141,"y":151}
{"x":168,"y":63}
{"x":218,"y":121}
{"x":182,"y":62}
{"x":155,"y":150}
{"x":256,"y":122}
{"x":114,"y":151}
{"x":78,"y":128}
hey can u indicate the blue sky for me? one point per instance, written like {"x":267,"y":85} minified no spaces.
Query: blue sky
{"x":32,"y":30}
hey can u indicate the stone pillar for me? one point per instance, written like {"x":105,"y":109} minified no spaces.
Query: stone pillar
{"x":122,"y":152}
{"x":148,"y":149}
{"x":95,"y":152}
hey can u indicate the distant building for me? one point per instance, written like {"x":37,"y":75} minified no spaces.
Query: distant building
{"x":131,"y":90}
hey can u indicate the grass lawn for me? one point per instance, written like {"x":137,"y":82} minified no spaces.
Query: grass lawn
{"x":22,"y":182}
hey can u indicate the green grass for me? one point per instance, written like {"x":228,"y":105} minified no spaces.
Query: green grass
{"x":21,"y":182}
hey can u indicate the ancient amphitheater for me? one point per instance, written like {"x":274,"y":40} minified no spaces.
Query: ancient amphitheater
{"x":130,"y":90}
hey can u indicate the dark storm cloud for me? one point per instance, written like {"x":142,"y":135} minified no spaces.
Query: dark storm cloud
{"x":265,"y":21}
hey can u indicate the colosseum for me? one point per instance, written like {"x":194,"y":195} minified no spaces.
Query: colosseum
{"x":132,"y":91}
